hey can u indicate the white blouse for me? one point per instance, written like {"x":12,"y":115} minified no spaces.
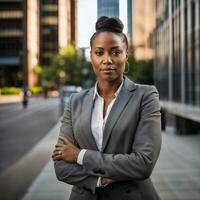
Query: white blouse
{"x":98,"y":121}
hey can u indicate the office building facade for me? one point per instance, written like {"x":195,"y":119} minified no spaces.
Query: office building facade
{"x":177,"y":63}
{"x":31,"y":32}
{"x":58,"y":25}
{"x":129,"y":20}
{"x":141,"y":16}
{"x":12,"y":42}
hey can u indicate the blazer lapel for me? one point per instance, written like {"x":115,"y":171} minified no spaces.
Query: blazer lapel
{"x":86,"y":115}
{"x":119,"y":105}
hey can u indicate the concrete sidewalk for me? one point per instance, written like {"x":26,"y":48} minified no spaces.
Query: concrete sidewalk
{"x":46,"y":186}
{"x":4,"y":99}
{"x":176,"y":175}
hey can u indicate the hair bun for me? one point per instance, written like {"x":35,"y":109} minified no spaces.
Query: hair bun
{"x":112,"y":24}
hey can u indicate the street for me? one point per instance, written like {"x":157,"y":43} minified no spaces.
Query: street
{"x":21,"y":129}
{"x":21,"y":133}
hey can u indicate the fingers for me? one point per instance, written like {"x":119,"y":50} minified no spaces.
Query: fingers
{"x":58,"y":150}
{"x":59,"y":145}
{"x":64,"y":140}
{"x":56,"y":157}
{"x":107,"y":181}
{"x":65,"y":151}
{"x":58,"y":153}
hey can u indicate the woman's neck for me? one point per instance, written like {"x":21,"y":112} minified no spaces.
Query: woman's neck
{"x":107,"y":89}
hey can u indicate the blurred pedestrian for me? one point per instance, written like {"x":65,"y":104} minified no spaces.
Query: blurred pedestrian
{"x":110,"y":136}
{"x":25,"y":96}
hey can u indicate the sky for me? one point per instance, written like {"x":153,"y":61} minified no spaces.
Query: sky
{"x":87,"y":16}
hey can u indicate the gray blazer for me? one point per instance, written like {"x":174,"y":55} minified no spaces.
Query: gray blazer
{"x":131,"y":145}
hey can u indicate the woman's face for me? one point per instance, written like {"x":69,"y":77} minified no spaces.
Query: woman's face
{"x":108,"y":56}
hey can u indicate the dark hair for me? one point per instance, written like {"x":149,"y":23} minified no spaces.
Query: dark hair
{"x":112,"y":24}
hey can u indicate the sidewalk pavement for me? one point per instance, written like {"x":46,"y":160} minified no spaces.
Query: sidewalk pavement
{"x":46,"y":186}
{"x":176,"y":175}
{"x":10,"y":99}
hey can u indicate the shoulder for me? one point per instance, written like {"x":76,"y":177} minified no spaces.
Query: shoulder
{"x":146,"y":88}
{"x":131,"y":86}
{"x":80,"y":95}
{"x":148,"y":92}
{"x":139,"y":88}
{"x":149,"y":96}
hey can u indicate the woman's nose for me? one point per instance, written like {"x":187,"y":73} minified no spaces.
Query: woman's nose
{"x":107,"y":59}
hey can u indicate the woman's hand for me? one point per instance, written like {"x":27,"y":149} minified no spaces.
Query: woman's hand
{"x":106,"y":181}
{"x":66,"y":151}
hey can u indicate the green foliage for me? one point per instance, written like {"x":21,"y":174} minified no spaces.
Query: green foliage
{"x":38,"y":69}
{"x":10,"y":90}
{"x":140,"y":71}
{"x":65,"y":68}
{"x":16,"y":90}
{"x":69,"y":67}
{"x":36,"y":90}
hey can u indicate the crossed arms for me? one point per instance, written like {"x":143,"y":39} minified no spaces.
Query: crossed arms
{"x":137,"y":165}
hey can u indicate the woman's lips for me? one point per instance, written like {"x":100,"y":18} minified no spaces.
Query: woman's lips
{"x":108,"y":69}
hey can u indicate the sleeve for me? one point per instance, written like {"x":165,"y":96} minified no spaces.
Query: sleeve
{"x":73,"y":174}
{"x":80,"y":162}
{"x":80,"y":156}
{"x":137,"y":165}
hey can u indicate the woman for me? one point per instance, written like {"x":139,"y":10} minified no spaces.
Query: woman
{"x":110,"y":135}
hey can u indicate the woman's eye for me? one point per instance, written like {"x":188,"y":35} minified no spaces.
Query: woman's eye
{"x":116,"y":53}
{"x":98,"y":53}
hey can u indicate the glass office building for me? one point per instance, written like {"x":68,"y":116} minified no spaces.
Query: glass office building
{"x":177,"y":63}
{"x":108,"y":8}
{"x":129,"y":18}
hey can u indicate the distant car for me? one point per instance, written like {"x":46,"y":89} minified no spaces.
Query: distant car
{"x":65,"y":93}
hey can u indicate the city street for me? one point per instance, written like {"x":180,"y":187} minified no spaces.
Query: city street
{"x":21,"y":129}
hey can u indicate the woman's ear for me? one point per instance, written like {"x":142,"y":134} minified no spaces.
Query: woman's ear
{"x":126,"y":54}
{"x":91,"y":56}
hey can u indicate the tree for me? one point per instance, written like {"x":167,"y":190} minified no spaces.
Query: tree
{"x":140,"y":71}
{"x":64,"y":68}
{"x":67,"y":65}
